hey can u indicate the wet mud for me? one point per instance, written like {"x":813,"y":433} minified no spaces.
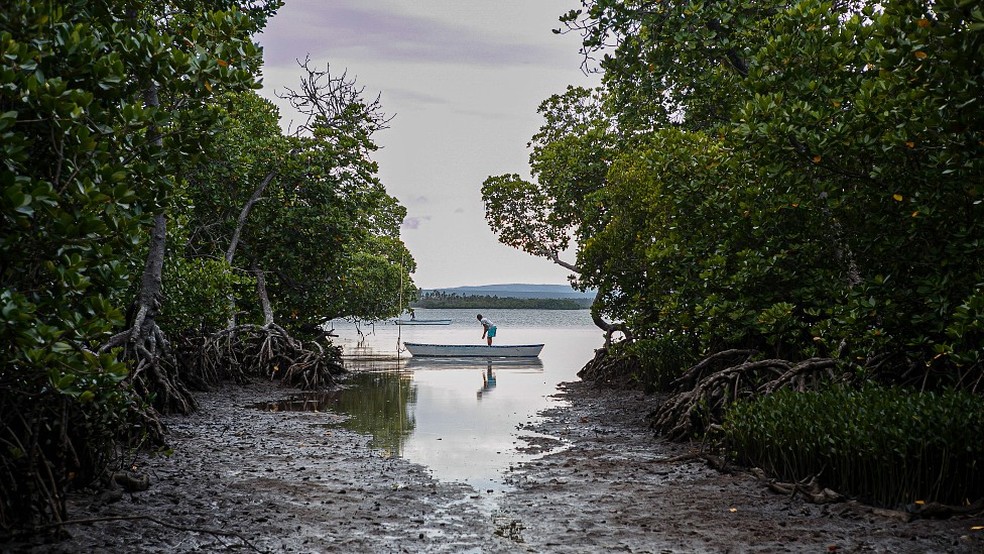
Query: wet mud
{"x":242,"y":479}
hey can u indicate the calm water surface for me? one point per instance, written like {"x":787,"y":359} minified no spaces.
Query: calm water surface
{"x":459,"y":417}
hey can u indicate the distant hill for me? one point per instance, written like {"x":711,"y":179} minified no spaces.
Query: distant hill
{"x":517,"y":290}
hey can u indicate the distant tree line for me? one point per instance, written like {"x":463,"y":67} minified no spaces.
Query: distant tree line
{"x":440,"y":299}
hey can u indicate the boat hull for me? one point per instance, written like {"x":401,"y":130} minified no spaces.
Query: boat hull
{"x":474,"y":350}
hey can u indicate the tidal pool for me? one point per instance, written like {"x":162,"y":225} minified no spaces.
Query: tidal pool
{"x":460,"y":418}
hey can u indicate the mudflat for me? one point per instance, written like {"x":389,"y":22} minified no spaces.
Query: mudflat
{"x":246,"y":480}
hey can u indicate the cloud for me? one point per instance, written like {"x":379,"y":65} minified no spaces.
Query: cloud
{"x":464,"y":78}
{"x":415,"y":222}
{"x":410,"y":97}
{"x":357,"y":31}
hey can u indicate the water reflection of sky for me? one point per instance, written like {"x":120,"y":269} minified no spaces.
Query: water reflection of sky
{"x":432,"y":412}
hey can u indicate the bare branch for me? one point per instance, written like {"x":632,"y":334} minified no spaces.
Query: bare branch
{"x":333,"y":102}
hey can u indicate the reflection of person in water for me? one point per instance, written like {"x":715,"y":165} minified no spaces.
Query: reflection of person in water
{"x":488,"y":382}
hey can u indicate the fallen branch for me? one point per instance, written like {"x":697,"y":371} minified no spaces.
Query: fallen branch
{"x":689,"y":457}
{"x":809,"y":490}
{"x":939,"y":510}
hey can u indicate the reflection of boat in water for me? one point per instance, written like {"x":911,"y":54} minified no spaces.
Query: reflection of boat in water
{"x":528,"y":364}
{"x":422,"y":321}
{"x":474,"y":350}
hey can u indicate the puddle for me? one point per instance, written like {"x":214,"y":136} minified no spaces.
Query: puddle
{"x":464,"y":419}
{"x":375,"y":403}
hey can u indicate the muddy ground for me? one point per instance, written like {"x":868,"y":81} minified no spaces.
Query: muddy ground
{"x":245,"y":480}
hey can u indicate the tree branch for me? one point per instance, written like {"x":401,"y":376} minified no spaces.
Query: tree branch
{"x":241,"y":222}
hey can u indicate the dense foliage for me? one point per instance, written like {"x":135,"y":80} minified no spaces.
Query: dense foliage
{"x":889,"y":446}
{"x":118,"y":120}
{"x":813,"y":212}
{"x":82,"y":169}
{"x":325,"y":234}
{"x":779,"y":180}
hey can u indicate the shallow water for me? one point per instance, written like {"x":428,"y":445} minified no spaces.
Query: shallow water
{"x":459,"y":417}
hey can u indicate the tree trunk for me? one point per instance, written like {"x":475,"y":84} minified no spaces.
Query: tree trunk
{"x":608,"y":328}
{"x":150,"y":283}
{"x":842,"y":250}
{"x":154,"y":369}
{"x":241,"y":222}
{"x":234,"y":243}
{"x":264,"y":298}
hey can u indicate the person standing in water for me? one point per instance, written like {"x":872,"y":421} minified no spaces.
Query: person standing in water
{"x":488,"y":328}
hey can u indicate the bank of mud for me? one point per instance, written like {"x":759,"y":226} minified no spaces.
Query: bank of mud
{"x":247,"y":480}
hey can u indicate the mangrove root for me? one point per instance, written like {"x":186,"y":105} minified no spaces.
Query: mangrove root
{"x":614,"y":371}
{"x":270,"y":352}
{"x":694,"y":409}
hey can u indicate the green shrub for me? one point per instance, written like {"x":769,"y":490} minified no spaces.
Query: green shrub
{"x":886,"y":446}
{"x":661,"y":360}
{"x":61,"y":429}
{"x":198,"y":293}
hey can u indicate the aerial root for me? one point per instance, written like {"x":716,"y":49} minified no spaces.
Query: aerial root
{"x":269,"y":352}
{"x":617,"y":371}
{"x":694,"y":409}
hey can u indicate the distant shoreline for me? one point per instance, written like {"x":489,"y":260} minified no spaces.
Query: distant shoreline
{"x":514,"y":291}
{"x":451,"y":301}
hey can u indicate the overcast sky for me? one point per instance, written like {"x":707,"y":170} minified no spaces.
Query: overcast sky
{"x":463,"y":79}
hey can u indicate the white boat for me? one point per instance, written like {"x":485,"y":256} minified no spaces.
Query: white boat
{"x":474,"y":350}
{"x":533,"y":365}
{"x":422,"y":321}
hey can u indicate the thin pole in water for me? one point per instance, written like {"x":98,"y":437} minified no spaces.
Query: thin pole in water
{"x":399,"y":330}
